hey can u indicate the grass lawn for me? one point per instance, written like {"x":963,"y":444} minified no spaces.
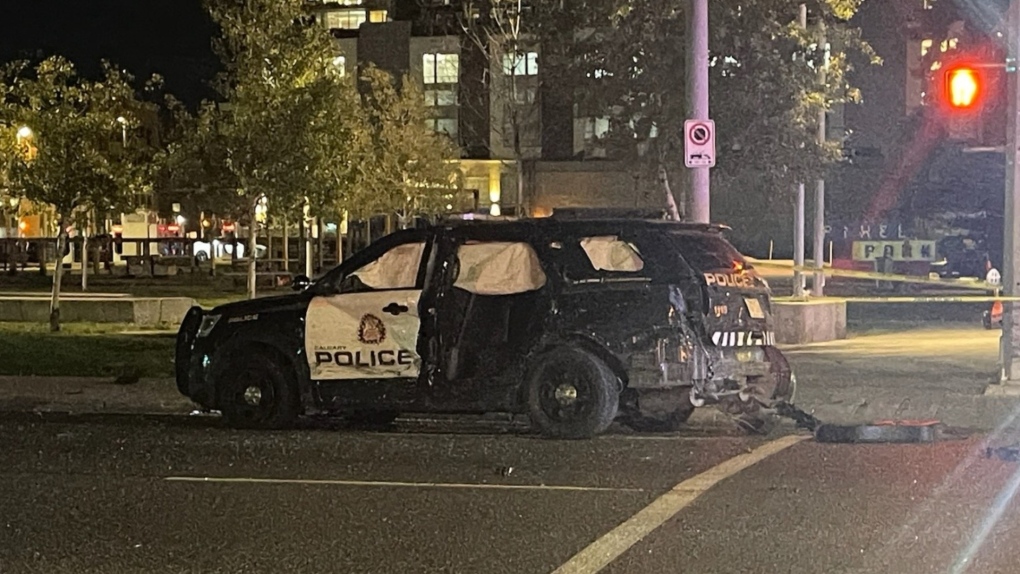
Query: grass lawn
{"x":85,"y":349}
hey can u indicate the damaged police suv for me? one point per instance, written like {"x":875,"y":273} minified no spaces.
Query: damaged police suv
{"x":576,"y":320}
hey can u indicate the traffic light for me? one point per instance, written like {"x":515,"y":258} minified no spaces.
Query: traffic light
{"x":964,"y":88}
{"x":968,"y":92}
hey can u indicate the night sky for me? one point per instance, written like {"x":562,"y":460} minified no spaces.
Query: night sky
{"x":169,"y":37}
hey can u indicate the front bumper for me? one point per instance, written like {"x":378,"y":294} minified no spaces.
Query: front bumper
{"x":191,"y":362}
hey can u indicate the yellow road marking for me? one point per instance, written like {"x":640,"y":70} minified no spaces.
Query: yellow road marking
{"x":610,"y":546}
{"x":394,"y":484}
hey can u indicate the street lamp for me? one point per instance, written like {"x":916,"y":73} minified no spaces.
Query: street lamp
{"x":123,"y":130}
{"x":24,"y":132}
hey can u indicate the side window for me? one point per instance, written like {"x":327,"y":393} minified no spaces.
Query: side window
{"x":599,"y":258}
{"x":498,"y":268}
{"x":395,"y":269}
{"x":610,"y":253}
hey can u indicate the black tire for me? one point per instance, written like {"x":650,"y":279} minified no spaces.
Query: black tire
{"x":572,"y":394}
{"x":201,"y":257}
{"x":669,"y":413}
{"x":257,"y":393}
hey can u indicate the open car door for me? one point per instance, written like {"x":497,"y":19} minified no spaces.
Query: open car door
{"x":361,"y":341}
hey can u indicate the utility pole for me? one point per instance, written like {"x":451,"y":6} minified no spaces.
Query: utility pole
{"x":798,"y":243}
{"x":697,"y":100}
{"x":1010,"y":342}
{"x":818,"y":283}
{"x":798,"y":223}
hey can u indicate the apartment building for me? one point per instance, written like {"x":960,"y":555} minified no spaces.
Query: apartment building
{"x":518,"y":135}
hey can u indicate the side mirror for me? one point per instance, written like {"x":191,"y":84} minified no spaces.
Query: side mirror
{"x":301,"y":282}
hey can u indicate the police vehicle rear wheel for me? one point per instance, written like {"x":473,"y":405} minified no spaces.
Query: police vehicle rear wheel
{"x":572,"y":394}
{"x":257,"y":394}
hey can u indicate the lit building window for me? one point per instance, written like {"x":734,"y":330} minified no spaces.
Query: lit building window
{"x":340,"y":62}
{"x":345,"y":19}
{"x":949,"y":44}
{"x":925,"y":46}
{"x":378,"y":16}
{"x":440,"y":68}
{"x":441,"y":97}
{"x":521,"y":64}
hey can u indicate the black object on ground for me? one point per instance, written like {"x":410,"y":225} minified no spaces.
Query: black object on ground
{"x":803,"y":419}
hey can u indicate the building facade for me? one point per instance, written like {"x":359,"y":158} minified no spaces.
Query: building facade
{"x":514,"y":136}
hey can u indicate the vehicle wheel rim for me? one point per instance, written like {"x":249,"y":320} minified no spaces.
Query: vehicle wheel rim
{"x":254,"y":399}
{"x":565,"y":394}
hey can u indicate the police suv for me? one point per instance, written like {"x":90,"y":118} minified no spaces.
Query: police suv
{"x":576,"y":320}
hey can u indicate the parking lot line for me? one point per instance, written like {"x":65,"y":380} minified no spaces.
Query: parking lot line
{"x":611,"y":545}
{"x":394,"y":484}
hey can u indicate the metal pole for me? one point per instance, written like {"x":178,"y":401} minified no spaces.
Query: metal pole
{"x":697,"y":100}
{"x":798,"y":216}
{"x":818,"y":283}
{"x":1010,"y":343}
{"x":798,"y":243}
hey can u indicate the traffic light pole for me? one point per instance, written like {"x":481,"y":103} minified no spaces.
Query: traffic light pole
{"x":798,"y":213}
{"x":818,"y":283}
{"x":697,"y":100}
{"x":1010,"y":342}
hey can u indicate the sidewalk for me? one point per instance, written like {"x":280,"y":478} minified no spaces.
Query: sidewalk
{"x":91,"y":395}
{"x":927,"y":373}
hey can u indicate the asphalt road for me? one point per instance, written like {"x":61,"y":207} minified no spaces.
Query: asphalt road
{"x":178,"y":494}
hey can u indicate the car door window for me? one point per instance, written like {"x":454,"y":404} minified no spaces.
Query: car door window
{"x":395,"y":269}
{"x":498,"y":268}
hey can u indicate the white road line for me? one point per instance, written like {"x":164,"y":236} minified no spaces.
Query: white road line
{"x":610,"y":546}
{"x":392,"y":484}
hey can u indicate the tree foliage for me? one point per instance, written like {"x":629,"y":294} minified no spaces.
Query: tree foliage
{"x":765,"y":100}
{"x":68,"y":157}
{"x":406,"y":167}
{"x":293,"y":129}
{"x":278,"y":136}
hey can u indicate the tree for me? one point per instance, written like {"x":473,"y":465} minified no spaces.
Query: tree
{"x":503,"y":33}
{"x":268,"y":144}
{"x":766,"y":96}
{"x":68,"y":161}
{"x":407,"y":168}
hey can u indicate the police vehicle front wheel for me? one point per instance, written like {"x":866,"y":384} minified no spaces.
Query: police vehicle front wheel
{"x":572,"y":394}
{"x":257,"y":394}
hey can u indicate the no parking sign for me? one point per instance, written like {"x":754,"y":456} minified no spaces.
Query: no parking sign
{"x":699,"y":143}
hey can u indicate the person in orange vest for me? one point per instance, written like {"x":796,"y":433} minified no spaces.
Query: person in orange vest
{"x":994,"y":316}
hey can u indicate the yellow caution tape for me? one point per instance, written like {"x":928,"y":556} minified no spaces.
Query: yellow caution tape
{"x":901,"y":299}
{"x":973,"y":284}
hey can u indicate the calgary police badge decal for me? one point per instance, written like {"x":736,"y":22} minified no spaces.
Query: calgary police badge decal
{"x":372,"y":331}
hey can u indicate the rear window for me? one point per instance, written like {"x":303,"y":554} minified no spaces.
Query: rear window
{"x":709,"y":252}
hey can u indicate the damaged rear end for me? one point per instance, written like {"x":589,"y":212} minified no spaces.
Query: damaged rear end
{"x":734,"y":325}
{"x":705,"y":334}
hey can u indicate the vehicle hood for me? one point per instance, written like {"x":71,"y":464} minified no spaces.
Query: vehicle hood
{"x":261,"y":305}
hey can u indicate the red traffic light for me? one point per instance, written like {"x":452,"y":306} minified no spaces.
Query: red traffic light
{"x":963,"y":87}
